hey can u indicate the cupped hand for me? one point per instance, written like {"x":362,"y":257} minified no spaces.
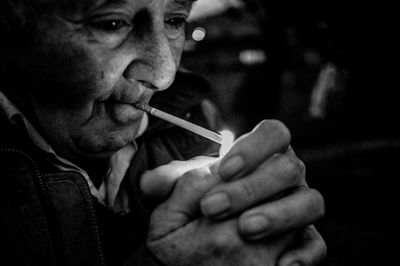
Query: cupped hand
{"x":180,"y":235}
{"x":262,"y":184}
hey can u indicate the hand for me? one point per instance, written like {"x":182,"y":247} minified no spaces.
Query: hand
{"x":159,"y":183}
{"x":180,"y":235}
{"x":263,"y":181}
{"x":267,"y":186}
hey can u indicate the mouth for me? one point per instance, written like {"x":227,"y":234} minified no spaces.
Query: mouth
{"x":122,"y":110}
{"x":119,"y":104}
{"x":123,"y":113}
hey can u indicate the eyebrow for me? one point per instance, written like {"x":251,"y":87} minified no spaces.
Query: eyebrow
{"x":184,"y":1}
{"x":187,"y":4}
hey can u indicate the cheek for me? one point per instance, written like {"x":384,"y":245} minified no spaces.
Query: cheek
{"x":69,"y":76}
{"x":177,"y":48}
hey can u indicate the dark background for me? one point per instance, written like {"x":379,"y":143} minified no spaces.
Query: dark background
{"x":330,"y":71}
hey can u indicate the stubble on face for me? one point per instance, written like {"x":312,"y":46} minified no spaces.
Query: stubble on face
{"x":67,"y":80}
{"x":75,"y":81}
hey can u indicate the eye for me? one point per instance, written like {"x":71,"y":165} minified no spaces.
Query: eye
{"x":110,"y":29}
{"x":109,"y":25}
{"x":176,"y":22}
{"x":175,"y":27}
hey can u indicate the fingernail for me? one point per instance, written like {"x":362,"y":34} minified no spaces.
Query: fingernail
{"x":215,"y":204}
{"x":254,"y":224}
{"x":232,"y":166}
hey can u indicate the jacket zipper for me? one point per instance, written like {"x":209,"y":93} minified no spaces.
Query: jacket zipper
{"x":38,"y":175}
{"x":96,"y":232}
{"x":39,"y":180}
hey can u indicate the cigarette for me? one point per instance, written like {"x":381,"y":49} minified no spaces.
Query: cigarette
{"x":181,"y":123}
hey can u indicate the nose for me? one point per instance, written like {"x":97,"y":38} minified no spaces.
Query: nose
{"x":154,"y":64}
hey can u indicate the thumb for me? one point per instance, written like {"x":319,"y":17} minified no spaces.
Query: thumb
{"x":159,"y":182}
{"x":183,"y":205}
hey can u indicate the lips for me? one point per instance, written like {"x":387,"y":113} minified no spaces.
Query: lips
{"x":119,"y":104}
{"x":124,"y":111}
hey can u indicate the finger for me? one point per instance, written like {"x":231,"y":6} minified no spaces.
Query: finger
{"x":292,"y":152}
{"x":276,"y":176}
{"x":158,"y":183}
{"x":295,"y":211}
{"x":251,"y":150}
{"x":311,"y":251}
{"x":183,"y":204}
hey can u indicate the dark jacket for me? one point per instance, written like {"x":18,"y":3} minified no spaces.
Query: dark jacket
{"x":49,"y":217}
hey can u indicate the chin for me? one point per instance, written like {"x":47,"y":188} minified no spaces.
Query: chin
{"x":102,"y":148}
{"x":98,"y":153}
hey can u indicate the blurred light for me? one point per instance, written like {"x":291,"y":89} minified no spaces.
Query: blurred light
{"x":207,"y":8}
{"x":199,"y":34}
{"x":252,"y":57}
{"x":227,"y":141}
{"x":326,"y":83}
{"x":236,"y":3}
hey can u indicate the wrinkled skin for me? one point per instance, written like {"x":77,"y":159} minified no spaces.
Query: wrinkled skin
{"x":248,"y":212}
{"x":90,"y":61}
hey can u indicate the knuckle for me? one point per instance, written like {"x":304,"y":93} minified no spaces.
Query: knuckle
{"x":192,"y":180}
{"x":280,"y":130}
{"x":159,"y":213}
{"x":247,"y":190}
{"x":301,"y":167}
{"x":315,"y":249}
{"x":265,"y":125}
{"x":189,"y":179}
{"x":175,"y":163}
{"x":194,"y":173}
{"x":323,"y":249}
{"x":223,"y":240}
{"x":172,"y":166}
{"x":319,"y":249}
{"x":318,"y":203}
{"x":296,"y":166}
{"x":321,"y":203}
{"x":293,"y":167}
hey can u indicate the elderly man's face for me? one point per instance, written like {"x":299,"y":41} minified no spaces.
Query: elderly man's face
{"x":92,"y":59}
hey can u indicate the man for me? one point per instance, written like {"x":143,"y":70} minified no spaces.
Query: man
{"x":73,"y":149}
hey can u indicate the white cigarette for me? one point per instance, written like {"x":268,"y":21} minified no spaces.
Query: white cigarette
{"x":181,"y":123}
